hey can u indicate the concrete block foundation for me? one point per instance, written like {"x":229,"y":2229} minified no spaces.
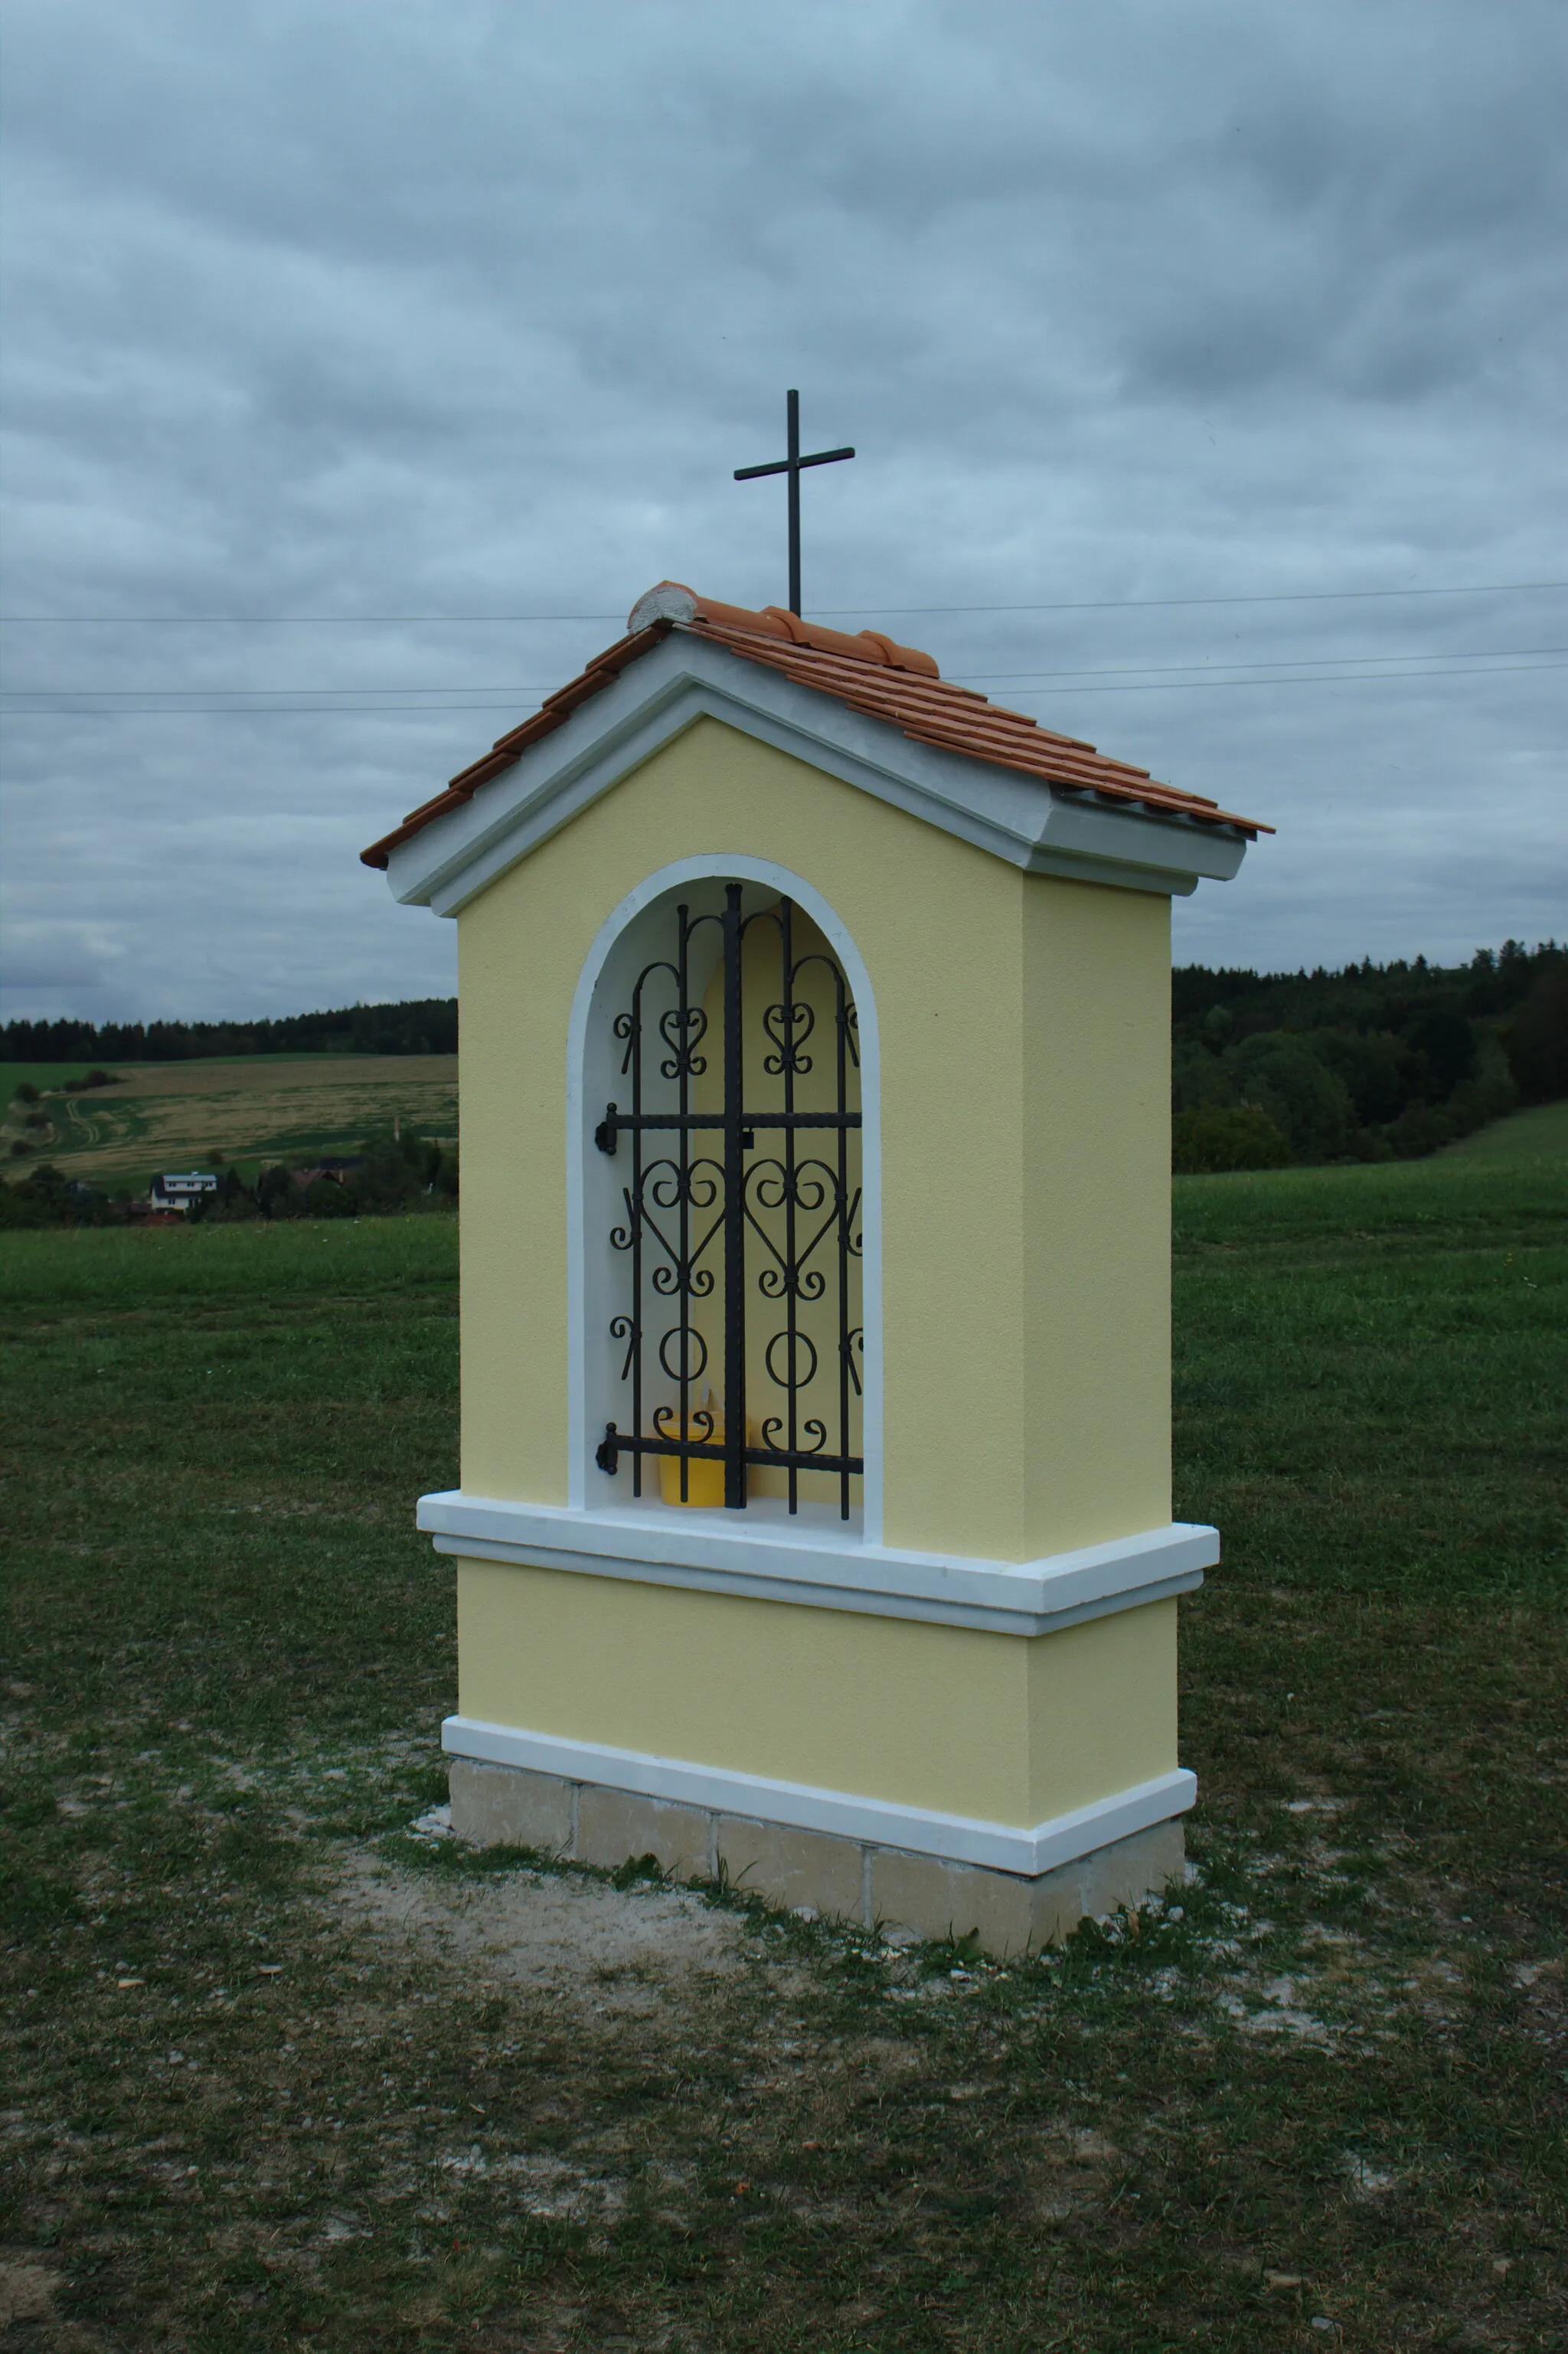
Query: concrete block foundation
{"x":874,"y":1887}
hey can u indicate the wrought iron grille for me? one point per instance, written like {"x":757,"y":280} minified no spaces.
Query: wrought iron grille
{"x":741,"y":1255}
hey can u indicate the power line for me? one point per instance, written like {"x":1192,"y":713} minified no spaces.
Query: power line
{"x":1092,"y":605}
{"x":247,"y":711}
{"x":377,"y":710}
{"x":142,"y":693}
{"x":1340,"y":678}
{"x":248,"y":621}
{"x":996,"y":677}
{"x":1144,"y":604}
{"x":1162,"y":670}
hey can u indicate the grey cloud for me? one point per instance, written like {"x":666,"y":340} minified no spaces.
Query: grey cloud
{"x":472,"y":308}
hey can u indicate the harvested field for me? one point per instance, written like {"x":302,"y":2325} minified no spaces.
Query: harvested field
{"x":251,"y":1109}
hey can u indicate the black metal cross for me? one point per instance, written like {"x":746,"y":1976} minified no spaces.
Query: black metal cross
{"x":793,"y":465}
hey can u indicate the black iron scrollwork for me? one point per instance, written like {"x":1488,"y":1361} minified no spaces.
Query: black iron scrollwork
{"x":682,"y":1031}
{"x":782,"y":1224}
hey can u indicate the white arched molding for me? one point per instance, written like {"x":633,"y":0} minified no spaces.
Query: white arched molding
{"x":625,"y":943}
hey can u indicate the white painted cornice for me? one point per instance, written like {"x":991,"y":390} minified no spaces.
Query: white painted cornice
{"x":686,"y":678}
{"x":819,"y":1560}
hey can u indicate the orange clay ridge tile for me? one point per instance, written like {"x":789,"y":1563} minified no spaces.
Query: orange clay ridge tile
{"x":872,"y":674}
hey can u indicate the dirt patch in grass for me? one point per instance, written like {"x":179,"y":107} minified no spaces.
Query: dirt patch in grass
{"x":610,"y":1949}
{"x":26,"y":2292}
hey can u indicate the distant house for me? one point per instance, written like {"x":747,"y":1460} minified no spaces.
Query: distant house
{"x":330,"y":1165}
{"x":174,"y":1192}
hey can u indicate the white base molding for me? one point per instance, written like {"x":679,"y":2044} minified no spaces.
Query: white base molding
{"x":880,"y":1822}
{"x":873,"y":1886}
{"x":769,"y":1555}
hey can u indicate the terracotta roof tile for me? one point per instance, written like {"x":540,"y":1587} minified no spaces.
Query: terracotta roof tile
{"x":872,"y":674}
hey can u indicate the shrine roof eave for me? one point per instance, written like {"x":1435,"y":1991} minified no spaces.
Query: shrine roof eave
{"x":501,"y":810}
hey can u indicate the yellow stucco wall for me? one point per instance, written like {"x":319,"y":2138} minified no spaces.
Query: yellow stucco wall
{"x":1001,"y":1727}
{"x":1025,"y":1029}
{"x":1097,"y":1241}
{"x":1025,"y":1186}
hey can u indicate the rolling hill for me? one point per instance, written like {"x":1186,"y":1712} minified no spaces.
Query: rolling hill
{"x":251,"y":1109}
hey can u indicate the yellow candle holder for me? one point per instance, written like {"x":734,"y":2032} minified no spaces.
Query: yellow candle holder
{"x":704,"y":1473}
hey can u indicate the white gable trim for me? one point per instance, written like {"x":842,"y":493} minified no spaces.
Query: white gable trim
{"x":686,"y":678}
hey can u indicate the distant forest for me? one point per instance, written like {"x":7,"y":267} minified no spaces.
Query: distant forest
{"x":421,"y":1025}
{"x":1374,"y":1063}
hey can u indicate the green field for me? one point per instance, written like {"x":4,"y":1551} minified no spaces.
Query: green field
{"x":250,"y":1108}
{"x":1524,"y":1134}
{"x":280,"y":2073}
{"x":41,"y":1075}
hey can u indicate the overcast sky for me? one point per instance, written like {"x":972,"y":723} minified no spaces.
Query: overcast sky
{"x":341,"y":339}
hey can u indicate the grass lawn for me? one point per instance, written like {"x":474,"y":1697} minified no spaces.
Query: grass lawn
{"x":1542,"y":1129}
{"x":282,"y":2073}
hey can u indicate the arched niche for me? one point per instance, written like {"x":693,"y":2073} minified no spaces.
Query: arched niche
{"x":716,"y":972}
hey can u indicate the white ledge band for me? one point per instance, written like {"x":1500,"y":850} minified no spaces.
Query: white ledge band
{"x":819,"y":1562}
{"x":879,"y":1822}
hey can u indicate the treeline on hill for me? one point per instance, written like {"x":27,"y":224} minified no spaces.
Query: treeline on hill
{"x":424,"y":1026}
{"x":390,"y":1172}
{"x":1376,"y":1063}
